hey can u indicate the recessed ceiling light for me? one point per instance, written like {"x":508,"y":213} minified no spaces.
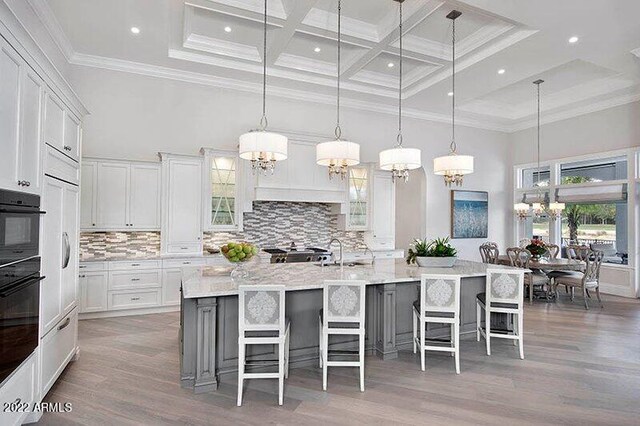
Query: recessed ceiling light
{"x":573,"y":39}
{"x":450,"y":94}
{"x":135,"y":30}
{"x":227,"y":29}
{"x":317,"y":50}
{"x":390,"y":64}
{"x":501,"y":71}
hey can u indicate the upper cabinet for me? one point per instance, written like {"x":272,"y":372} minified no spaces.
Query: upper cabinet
{"x":383,"y":212}
{"x":61,"y":127}
{"x":355,"y":213}
{"x":222,"y":184}
{"x":181,"y":231}
{"x":21,"y":93}
{"x":120,"y":196}
{"x":299,"y":178}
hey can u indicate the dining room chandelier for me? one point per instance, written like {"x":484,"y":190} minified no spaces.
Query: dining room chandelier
{"x":453,"y":166}
{"x":338,"y":154}
{"x":399,"y":160}
{"x":261,"y":147}
{"x":541,"y":208}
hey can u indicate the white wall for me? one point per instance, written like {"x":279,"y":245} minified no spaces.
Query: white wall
{"x":135,"y":116}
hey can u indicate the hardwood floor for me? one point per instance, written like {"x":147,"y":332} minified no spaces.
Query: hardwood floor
{"x":581,"y":367}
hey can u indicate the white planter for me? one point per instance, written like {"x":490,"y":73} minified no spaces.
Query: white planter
{"x":436,"y":262}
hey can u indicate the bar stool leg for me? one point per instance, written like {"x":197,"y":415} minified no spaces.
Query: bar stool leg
{"x":422,"y":332}
{"x":241,"y":351}
{"x":487,"y":330}
{"x":362,"y":363}
{"x":456,"y":329}
{"x":320,"y":342}
{"x":415,"y":329}
{"x":478,"y":324}
{"x":286,"y":356}
{"x":325,"y":345}
{"x":281,"y":372}
{"x":520,"y":336}
{"x":453,"y":340}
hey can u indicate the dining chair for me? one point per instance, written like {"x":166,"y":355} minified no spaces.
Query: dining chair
{"x":489,"y":252}
{"x":343,"y":308}
{"x":524,"y":242}
{"x":587,"y":280}
{"x":520,"y":258}
{"x":553,"y":250}
{"x":503,"y":294}
{"x":439,"y":303}
{"x":261,"y":321}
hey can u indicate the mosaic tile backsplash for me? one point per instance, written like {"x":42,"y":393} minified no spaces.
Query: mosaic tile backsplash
{"x":270,"y":224}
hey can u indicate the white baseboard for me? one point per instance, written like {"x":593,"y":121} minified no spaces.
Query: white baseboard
{"x":129,"y":312}
{"x":617,"y":290}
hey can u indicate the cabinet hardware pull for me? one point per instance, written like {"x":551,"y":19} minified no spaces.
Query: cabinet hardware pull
{"x":27,"y":183}
{"x":135,"y":264}
{"x":65,"y":324}
{"x":93,"y":224}
{"x":67,"y":148}
{"x":184,"y":248}
{"x":135,"y":298}
{"x":186,"y":263}
{"x":135,"y":279}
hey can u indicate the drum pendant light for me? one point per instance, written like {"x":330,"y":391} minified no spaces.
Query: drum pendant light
{"x":338,"y":154}
{"x":400,"y":160}
{"x":453,"y":166}
{"x":259,"y":146}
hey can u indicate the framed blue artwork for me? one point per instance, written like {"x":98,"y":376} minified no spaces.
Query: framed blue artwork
{"x":469,"y":214}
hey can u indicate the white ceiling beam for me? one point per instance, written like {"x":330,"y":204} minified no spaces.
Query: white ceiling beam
{"x":284,"y":35}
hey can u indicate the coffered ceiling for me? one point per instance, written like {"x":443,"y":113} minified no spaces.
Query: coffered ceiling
{"x":219,"y":42}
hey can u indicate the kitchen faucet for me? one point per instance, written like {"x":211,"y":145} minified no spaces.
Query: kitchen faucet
{"x":339,"y":242}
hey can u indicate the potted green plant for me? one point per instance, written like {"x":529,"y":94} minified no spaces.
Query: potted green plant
{"x":438,"y":253}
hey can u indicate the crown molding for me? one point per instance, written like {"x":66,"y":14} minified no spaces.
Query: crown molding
{"x":328,"y":21}
{"x":275,"y":8}
{"x":222,"y":47}
{"x":50,"y":22}
{"x":301,"y":63}
{"x":300,"y":95}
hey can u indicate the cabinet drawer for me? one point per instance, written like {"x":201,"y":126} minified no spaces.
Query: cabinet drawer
{"x":134,"y":299}
{"x":184,"y":248}
{"x":179,"y":263}
{"x":123,"y":280}
{"x":93,"y":266}
{"x":60,"y":166}
{"x":58,"y":346}
{"x":217,"y":261}
{"x":391,"y":254}
{"x":20,"y":388}
{"x":132,"y":265}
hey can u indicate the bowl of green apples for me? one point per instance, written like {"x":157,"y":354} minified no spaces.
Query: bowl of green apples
{"x":239,"y":254}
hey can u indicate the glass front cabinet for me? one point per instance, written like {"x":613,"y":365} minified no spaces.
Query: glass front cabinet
{"x":222,"y":204}
{"x":356,"y":212}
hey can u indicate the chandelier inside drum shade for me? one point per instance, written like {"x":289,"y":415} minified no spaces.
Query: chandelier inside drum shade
{"x":399,"y":160}
{"x":259,"y":146}
{"x":453,"y":166}
{"x":338,"y":154}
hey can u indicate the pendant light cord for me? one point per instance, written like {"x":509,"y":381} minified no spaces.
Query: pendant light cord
{"x":338,"y":131}
{"x":453,"y":84}
{"x":538,"y":180}
{"x":263,"y":120}
{"x":400,"y":85}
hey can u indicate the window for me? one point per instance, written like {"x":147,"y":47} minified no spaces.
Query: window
{"x":603,"y":226}
{"x":223,"y":191}
{"x":537,"y":227}
{"x":594,"y":171}
{"x":532,"y":178}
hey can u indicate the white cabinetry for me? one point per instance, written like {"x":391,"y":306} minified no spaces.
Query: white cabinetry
{"x":182,"y":205}
{"x":355,"y":213}
{"x":383,"y":213}
{"x":21,"y":386}
{"x":93,"y":291}
{"x":122,"y":196}
{"x":58,"y":347}
{"x":222,"y":186}
{"x":299,"y":178}
{"x":61,"y":127}
{"x":171,"y":282}
{"x":21,"y":93}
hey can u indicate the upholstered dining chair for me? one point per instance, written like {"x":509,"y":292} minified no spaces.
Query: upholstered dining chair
{"x":520,"y":258}
{"x":587,"y":280}
{"x":489,"y":252}
{"x":553,"y":250}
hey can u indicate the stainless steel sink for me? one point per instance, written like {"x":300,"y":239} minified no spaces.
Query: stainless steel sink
{"x":350,"y":264}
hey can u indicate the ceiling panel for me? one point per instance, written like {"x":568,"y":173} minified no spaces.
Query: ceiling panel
{"x":372,"y":12}
{"x":438,"y":28}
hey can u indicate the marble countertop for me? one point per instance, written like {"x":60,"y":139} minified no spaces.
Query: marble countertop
{"x":198,"y":282}
{"x":148,"y":257}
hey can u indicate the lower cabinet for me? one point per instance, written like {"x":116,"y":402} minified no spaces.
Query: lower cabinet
{"x":93,"y":291}
{"x":134,"y":299}
{"x":57,"y":348}
{"x":20,"y":388}
{"x":171,"y":282}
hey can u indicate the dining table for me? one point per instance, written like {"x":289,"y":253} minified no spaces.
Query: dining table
{"x":547,"y":265}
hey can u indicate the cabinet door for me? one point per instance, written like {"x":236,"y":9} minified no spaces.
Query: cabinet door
{"x":89,"y":171}
{"x":29,"y":155}
{"x":52,"y":249}
{"x":93,"y":291}
{"x":184,"y":202}
{"x":358,"y":196}
{"x":70,"y":244}
{"x":54,"y":123}
{"x":171,"y":282}
{"x":383,"y":207}
{"x":144,"y":200}
{"x":10,"y":64}
{"x":71,"y":135}
{"x":112,"y":195}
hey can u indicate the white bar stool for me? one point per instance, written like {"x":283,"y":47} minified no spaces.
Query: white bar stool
{"x":261,"y":321}
{"x":343,"y":308}
{"x":504,"y":294}
{"x":440,"y":303}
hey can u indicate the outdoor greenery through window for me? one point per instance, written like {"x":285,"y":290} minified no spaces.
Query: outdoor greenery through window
{"x":594,"y":171}
{"x":223,"y":191}
{"x":531,"y":178}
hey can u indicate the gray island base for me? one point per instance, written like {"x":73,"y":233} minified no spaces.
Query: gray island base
{"x":209,"y":312}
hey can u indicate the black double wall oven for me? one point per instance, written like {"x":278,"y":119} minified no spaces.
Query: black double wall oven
{"x":19,"y":278}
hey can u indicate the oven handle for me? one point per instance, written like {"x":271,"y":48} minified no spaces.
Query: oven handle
{"x":20,"y":285}
{"x":20,"y":211}
{"x":67,"y":250}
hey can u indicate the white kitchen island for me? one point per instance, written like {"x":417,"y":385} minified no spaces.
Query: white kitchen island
{"x":209,"y":312}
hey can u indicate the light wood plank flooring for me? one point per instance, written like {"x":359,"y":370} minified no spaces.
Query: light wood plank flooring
{"x":581,"y":367}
